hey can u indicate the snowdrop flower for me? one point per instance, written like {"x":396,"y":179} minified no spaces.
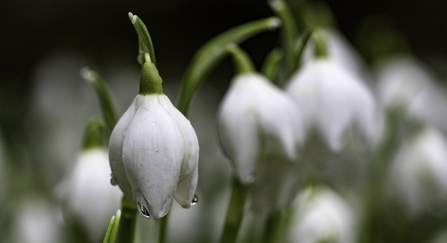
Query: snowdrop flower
{"x":332,"y":100}
{"x":418,"y":173}
{"x":260,"y":129}
{"x":322,"y":216}
{"x":405,"y":82}
{"x":87,"y":196}
{"x":154,"y":150}
{"x":36,"y":221}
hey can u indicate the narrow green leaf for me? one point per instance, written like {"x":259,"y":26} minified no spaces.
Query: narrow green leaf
{"x":112,"y":228}
{"x":289,"y":33}
{"x":213,"y":52}
{"x":144,"y":39}
{"x":271,"y":64}
{"x":104,"y":93}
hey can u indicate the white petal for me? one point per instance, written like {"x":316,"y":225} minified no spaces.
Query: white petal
{"x":331,"y":99}
{"x":90,"y":199}
{"x":116,"y":151}
{"x":189,"y":171}
{"x":256,"y":117}
{"x":152,"y":155}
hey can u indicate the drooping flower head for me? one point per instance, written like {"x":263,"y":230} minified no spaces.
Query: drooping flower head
{"x":260,"y":129}
{"x":154,"y":150}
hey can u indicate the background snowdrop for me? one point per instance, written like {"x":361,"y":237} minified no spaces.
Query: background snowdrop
{"x":322,"y":216}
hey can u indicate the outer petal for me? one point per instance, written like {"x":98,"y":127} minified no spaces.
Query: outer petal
{"x":116,"y":152}
{"x":189,"y":170}
{"x":152,"y":155}
{"x":257,"y":118}
{"x":90,"y":199}
{"x":334,"y":99}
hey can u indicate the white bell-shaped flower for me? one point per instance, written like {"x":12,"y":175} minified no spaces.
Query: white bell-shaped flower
{"x":260,"y":130}
{"x":322,"y":216}
{"x":88,"y":199}
{"x":154,"y":150}
{"x":405,"y":82}
{"x":418,"y":174}
{"x":255,"y":119}
{"x":331,"y":100}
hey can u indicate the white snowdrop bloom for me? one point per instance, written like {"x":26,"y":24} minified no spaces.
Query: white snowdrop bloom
{"x":257,"y":119}
{"x":341,"y":51}
{"x":418,"y":173}
{"x":332,"y":100}
{"x":154,"y":150}
{"x":88,"y":197}
{"x":322,"y":216}
{"x":405,"y":82}
{"x":36,"y":221}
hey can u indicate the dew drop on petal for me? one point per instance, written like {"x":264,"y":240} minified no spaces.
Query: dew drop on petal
{"x":113,"y":180}
{"x":143,"y":211}
{"x":195,"y":200}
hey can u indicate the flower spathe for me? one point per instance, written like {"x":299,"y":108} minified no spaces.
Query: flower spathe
{"x":257,"y":119}
{"x":154,"y":151}
{"x":331,"y":100}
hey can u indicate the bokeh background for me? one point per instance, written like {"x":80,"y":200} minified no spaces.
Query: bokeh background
{"x":44,"y":103}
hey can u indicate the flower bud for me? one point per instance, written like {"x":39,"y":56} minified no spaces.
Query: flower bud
{"x":154,"y":150}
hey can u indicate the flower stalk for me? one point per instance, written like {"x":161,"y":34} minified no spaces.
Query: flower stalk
{"x":271,"y":64}
{"x":126,"y":229}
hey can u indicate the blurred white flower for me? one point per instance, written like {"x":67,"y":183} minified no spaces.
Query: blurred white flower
{"x":88,"y":198}
{"x":260,"y":129}
{"x":418,"y":173}
{"x":153,"y":155}
{"x":332,"y":100}
{"x":340,"y":50}
{"x":36,"y":221}
{"x":322,"y":216}
{"x":405,"y":82}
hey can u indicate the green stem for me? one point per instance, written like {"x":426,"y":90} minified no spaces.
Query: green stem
{"x":289,"y":33}
{"x":93,"y":135}
{"x":235,"y":212}
{"x":126,"y":229}
{"x":163,"y":224}
{"x":304,"y":40}
{"x":104,"y":93}
{"x":242,"y":61}
{"x":212,"y":53}
{"x":271,"y":64}
{"x":150,"y":80}
{"x":320,"y":50}
{"x":276,"y":226}
{"x":144,"y":39}
{"x":377,"y":177}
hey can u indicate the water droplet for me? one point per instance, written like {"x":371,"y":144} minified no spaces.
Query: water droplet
{"x":113,"y":180}
{"x":195,"y":200}
{"x":153,"y":123}
{"x":143,"y":211}
{"x":250,"y":178}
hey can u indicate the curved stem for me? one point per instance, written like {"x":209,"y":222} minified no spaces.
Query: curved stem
{"x":235,"y":212}
{"x":319,"y":38}
{"x":241,"y":60}
{"x":127,"y":222}
{"x":212,"y":53}
{"x":271,"y":64}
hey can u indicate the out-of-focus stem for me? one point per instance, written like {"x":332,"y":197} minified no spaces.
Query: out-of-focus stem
{"x":127,"y":223}
{"x":235,"y":212}
{"x":163,"y":227}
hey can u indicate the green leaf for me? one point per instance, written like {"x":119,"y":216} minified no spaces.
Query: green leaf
{"x":289,"y":33}
{"x":112,"y":229}
{"x":105,"y":97}
{"x":144,"y":39}
{"x":213,"y":52}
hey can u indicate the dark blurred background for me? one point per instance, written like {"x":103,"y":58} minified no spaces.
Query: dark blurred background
{"x":31,"y":30}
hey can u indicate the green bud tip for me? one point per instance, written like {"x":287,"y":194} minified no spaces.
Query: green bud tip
{"x":150,"y":80}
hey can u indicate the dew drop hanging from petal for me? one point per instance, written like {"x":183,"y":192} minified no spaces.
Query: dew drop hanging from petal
{"x":143,"y":211}
{"x":195,"y":200}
